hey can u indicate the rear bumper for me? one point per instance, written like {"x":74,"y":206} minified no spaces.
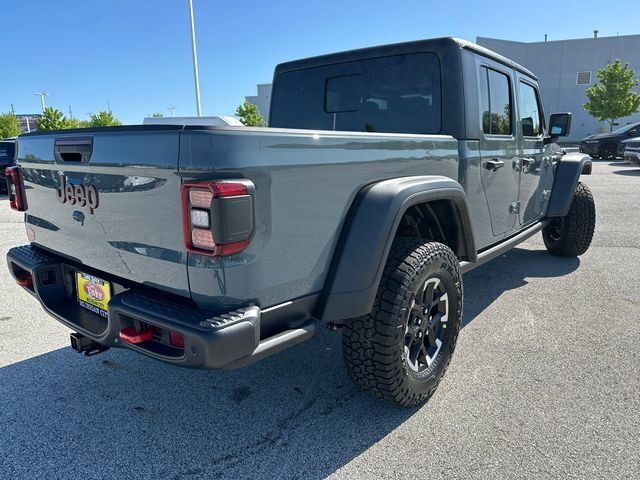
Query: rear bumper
{"x":211,"y":340}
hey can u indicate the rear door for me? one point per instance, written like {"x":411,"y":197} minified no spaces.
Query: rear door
{"x":535,"y":159}
{"x":498,"y":144}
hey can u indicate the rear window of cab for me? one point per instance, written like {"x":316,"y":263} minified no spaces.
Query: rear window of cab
{"x":394,"y":94}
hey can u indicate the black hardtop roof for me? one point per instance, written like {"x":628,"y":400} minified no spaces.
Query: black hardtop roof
{"x":397,"y":49}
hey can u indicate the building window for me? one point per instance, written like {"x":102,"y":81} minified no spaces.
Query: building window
{"x":584,"y":78}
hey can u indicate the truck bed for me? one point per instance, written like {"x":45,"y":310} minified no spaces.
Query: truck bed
{"x":305,"y":181}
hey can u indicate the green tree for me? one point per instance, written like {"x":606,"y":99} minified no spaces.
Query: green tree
{"x":54,"y":119}
{"x":76,"y":123}
{"x":9,"y":125}
{"x":249,"y":115}
{"x":157,"y":115}
{"x":103,"y":119}
{"x":613,"y":96}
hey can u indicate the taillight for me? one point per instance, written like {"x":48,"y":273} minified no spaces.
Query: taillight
{"x":15,"y":187}
{"x":217,"y":216}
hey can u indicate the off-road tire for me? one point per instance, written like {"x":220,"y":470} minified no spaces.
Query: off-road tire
{"x":608,"y":152}
{"x":374,"y":345}
{"x":571,"y":235}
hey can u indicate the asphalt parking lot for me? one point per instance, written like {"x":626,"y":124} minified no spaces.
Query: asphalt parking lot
{"x":545,"y":383}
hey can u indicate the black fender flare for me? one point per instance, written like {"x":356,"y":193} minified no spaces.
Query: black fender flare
{"x":565,"y":181}
{"x":368,"y":233}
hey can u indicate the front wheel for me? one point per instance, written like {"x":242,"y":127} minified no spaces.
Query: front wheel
{"x":571,"y":235}
{"x":401,"y":350}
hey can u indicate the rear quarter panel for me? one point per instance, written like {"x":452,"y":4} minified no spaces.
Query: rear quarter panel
{"x":305,"y":184}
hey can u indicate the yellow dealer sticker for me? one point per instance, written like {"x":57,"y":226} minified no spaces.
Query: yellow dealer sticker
{"x":93,"y":293}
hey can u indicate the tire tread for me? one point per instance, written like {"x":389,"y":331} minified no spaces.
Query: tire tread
{"x":373,"y":345}
{"x":579,"y":226}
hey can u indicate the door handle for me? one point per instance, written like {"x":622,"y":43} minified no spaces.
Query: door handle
{"x":527,"y":162}
{"x":494,"y":164}
{"x":73,"y":149}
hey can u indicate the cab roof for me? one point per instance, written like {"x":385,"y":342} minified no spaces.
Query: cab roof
{"x":401,"y":48}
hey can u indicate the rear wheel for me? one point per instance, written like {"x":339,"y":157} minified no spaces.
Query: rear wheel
{"x":608,"y":152}
{"x":401,"y":350}
{"x":571,"y":235}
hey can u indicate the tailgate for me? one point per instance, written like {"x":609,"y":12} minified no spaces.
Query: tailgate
{"x":109,"y":199}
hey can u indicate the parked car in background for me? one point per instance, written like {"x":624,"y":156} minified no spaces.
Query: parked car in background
{"x":608,"y":145}
{"x":631,"y":151}
{"x":7,"y":153}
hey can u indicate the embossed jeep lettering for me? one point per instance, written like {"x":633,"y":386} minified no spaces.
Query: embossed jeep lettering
{"x":81,"y":195}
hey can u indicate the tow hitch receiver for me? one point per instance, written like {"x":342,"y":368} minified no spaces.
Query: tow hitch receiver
{"x":82,"y":344}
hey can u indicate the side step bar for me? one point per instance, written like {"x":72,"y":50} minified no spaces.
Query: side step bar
{"x":275,"y":344}
{"x":503,"y":247}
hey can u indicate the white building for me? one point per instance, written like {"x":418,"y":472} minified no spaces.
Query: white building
{"x":262,"y":100}
{"x":566,"y":68}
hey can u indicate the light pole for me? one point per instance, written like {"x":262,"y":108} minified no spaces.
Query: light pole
{"x":27,"y":119}
{"x":171,"y":109}
{"x":195,"y":58}
{"x":42,"y":95}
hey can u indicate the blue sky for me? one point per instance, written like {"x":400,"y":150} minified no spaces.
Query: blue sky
{"x":135,"y":54}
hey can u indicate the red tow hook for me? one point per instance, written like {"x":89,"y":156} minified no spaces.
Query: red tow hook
{"x":131,"y":335}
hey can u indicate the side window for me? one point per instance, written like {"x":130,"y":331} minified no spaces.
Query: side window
{"x":495,"y":102}
{"x":529,"y":108}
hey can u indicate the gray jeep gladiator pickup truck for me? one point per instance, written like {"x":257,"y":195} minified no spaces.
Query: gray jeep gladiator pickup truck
{"x":386,"y":174}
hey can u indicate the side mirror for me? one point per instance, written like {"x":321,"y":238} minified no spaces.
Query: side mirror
{"x":632,"y":133}
{"x":559,"y":124}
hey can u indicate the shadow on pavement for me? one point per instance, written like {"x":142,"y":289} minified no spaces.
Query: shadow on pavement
{"x":633,"y":172}
{"x":295,"y":415}
{"x":618,"y":164}
{"x":485,"y":284}
{"x":121,"y":415}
